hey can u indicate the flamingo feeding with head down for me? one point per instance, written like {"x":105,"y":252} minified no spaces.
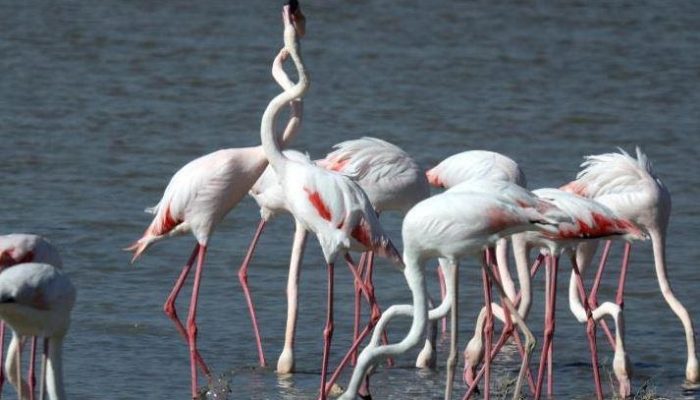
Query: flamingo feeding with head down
{"x":589,"y":221}
{"x":19,"y":248}
{"x":36,"y":300}
{"x":479,"y":166}
{"x":196,"y":199}
{"x":327,"y":203}
{"x":631,"y":188}
{"x":448,"y":226}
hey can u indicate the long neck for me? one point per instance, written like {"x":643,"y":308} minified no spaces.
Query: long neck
{"x":54,"y":369}
{"x":415,"y":277}
{"x":267,"y":126}
{"x":297,"y":106}
{"x":659,"y":244}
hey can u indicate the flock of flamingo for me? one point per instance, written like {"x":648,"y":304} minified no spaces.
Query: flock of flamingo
{"x":485,"y":212}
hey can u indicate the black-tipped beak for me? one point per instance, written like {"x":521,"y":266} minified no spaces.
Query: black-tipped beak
{"x":296,"y":17}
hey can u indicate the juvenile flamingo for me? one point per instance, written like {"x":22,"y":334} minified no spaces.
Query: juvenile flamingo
{"x":327,"y":203}
{"x":448,"y":226}
{"x":36,"y":300}
{"x":631,"y":188}
{"x":18,"y":248}
{"x":197,"y":198}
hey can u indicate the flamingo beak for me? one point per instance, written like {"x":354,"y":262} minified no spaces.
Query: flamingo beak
{"x":296,"y":17}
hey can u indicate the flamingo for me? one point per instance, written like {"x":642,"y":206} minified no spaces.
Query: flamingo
{"x":589,"y":221}
{"x":480,"y":165}
{"x":18,"y":248}
{"x":448,"y":226}
{"x":631,"y":188}
{"x":36,"y":300}
{"x":327,"y":203}
{"x":196,"y":199}
{"x":391,"y":179}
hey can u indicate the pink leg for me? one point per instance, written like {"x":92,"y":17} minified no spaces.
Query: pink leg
{"x":552,"y":267}
{"x":171,"y":312}
{"x":369,"y":274}
{"x":593,"y":295}
{"x":590,"y":331}
{"x":192,"y":319}
{"x":501,"y":341}
{"x":243,"y":279}
{"x":327,"y":334}
{"x":443,"y":290}
{"x":31,"y":376}
{"x":488,"y":332}
{"x":619,"y":299}
{"x":358,"y":308}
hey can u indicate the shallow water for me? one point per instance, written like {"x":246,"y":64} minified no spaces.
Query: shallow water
{"x":101,"y":102}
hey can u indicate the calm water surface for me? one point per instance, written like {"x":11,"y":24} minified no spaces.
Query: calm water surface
{"x":101,"y":102}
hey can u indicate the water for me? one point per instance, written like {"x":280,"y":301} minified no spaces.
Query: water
{"x":101,"y":102}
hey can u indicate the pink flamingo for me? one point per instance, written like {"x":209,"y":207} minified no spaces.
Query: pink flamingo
{"x":327,"y":203}
{"x":481,"y":165}
{"x":197,"y":198}
{"x":36,"y":300}
{"x":19,"y":248}
{"x":631,"y":188}
{"x":523,"y":198}
{"x":391,"y":179}
{"x":448,"y":226}
{"x":589,"y":221}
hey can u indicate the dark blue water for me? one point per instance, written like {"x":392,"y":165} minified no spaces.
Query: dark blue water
{"x":101,"y":102}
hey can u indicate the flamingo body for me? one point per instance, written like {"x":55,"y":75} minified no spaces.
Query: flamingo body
{"x":475,"y":164}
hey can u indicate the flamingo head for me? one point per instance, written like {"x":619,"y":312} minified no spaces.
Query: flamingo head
{"x":292,"y":14}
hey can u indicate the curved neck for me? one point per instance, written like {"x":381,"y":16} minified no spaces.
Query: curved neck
{"x":297,"y":106}
{"x":267,"y":126}
{"x":54,"y":369}
{"x":658,"y":240}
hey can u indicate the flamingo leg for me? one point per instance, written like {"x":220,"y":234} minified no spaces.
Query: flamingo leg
{"x":369,"y":274}
{"x":192,"y":318}
{"x":285,"y":362}
{"x":593,"y":295}
{"x":18,"y":370}
{"x":327,"y":334}
{"x":529,"y":337}
{"x":358,"y":308}
{"x":452,"y":358}
{"x":243,"y":279}
{"x":551,"y":294}
{"x":44,"y":361}
{"x":2,"y":354}
{"x":170,"y":310}
{"x":488,"y":332}
{"x":31,"y":375}
{"x":590,"y":331}
{"x":619,"y":299}
{"x":443,"y":290}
